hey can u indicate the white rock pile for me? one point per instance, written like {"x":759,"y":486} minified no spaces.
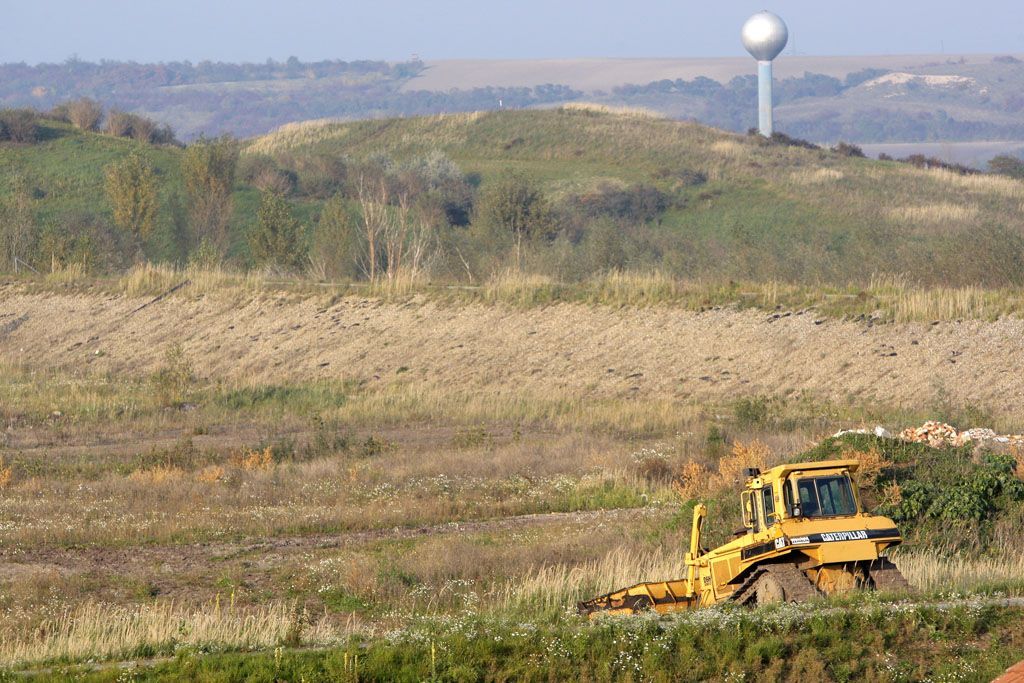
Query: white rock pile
{"x":938,"y":434}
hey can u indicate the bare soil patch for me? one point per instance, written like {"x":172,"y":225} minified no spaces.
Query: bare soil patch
{"x":561,"y":350}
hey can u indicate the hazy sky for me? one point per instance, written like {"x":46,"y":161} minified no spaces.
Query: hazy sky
{"x":253,"y":30}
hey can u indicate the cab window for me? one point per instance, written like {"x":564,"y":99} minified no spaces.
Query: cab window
{"x":826,"y":496}
{"x":769,"y":505}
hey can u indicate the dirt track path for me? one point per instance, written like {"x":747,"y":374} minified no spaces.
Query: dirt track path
{"x":262,"y":554}
{"x":566,"y":349}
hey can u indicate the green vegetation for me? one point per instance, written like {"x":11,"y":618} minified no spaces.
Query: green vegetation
{"x":952,"y":498}
{"x":867,"y":641}
{"x":415,"y":530}
{"x":431,"y":199}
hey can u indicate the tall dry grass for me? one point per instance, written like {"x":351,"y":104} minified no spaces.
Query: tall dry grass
{"x":978,"y":183}
{"x":941,"y":213}
{"x":150,"y":279}
{"x":892,"y":297}
{"x":955,"y":572}
{"x":560,"y":586}
{"x":816,"y":176}
{"x":906,"y":302}
{"x":632,"y":112}
{"x":103,"y":631}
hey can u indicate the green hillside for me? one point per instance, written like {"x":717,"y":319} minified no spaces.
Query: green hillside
{"x":63,"y":174}
{"x":740,"y":208}
{"x":619,"y":191}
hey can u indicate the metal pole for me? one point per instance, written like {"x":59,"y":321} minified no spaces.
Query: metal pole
{"x":764,"y":98}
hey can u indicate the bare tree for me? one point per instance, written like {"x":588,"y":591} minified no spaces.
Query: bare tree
{"x":400,"y":236}
{"x":373,"y":197}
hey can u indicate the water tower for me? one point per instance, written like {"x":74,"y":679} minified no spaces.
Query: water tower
{"x":765,"y":36}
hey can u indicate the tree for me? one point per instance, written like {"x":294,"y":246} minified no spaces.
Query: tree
{"x":18,"y":228}
{"x":208,"y":168}
{"x":131,"y":191}
{"x":400,"y":236}
{"x":1008,"y":165}
{"x":277,"y":240}
{"x":517,"y":205}
{"x":335,"y":249}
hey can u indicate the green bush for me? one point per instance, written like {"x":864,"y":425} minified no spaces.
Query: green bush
{"x":939,"y":489}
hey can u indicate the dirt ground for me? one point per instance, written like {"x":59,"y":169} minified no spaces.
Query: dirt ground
{"x":583,"y":351}
{"x":190,"y":571}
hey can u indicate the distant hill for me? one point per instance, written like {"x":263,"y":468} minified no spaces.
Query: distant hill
{"x":920,"y":99}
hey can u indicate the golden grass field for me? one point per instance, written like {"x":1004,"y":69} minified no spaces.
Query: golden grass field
{"x":246,"y":464}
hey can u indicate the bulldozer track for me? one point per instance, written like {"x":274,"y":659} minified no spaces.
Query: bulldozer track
{"x":887,"y":577}
{"x":796,"y":587}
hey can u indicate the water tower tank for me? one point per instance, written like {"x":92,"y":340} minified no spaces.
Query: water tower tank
{"x":764,"y":36}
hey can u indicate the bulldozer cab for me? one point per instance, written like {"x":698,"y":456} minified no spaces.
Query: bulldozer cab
{"x":830,"y":495}
{"x":801,"y":491}
{"x":758,"y":508}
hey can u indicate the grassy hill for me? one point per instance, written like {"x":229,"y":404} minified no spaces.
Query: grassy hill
{"x":740,"y":209}
{"x":626,"y":190}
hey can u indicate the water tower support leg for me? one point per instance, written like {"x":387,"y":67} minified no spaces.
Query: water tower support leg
{"x":764,"y":98}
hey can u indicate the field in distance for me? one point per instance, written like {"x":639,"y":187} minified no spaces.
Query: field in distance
{"x":593,"y":74}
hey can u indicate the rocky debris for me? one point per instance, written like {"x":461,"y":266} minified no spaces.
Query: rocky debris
{"x":938,"y":434}
{"x":933,"y":433}
{"x":879,"y":431}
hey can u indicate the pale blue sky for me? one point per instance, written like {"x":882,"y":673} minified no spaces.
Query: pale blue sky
{"x":253,"y":30}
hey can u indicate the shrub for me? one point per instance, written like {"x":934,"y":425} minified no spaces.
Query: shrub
{"x":119,"y":124}
{"x":208,"y":170}
{"x":276,"y":181}
{"x":164,"y":135}
{"x":277,"y":239}
{"x":173,"y":381}
{"x":141,"y":128}
{"x":752,"y":411}
{"x":19,"y":125}
{"x":131,"y":190}
{"x":84,"y":114}
{"x":845,"y":149}
{"x":6,"y":474}
{"x":516,"y":205}
{"x":1008,"y":165}
{"x":783,"y":139}
{"x":252,"y":460}
{"x":638,"y":203}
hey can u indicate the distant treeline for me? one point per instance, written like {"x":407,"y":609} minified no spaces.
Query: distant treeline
{"x":250,"y":99}
{"x":215,"y":98}
{"x":728,"y":106}
{"x":75,"y":78}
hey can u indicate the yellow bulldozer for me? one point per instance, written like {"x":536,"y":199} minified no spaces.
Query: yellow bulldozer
{"x":805,"y":535}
